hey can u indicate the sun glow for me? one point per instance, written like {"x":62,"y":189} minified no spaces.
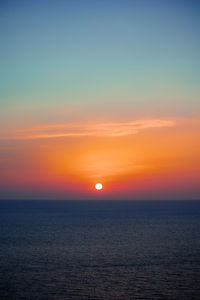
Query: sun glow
{"x":98,"y":186}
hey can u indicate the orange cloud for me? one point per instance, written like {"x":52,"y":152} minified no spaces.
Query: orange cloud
{"x":85,"y":129}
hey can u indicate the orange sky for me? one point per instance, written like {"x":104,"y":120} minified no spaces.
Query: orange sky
{"x":141,"y":159}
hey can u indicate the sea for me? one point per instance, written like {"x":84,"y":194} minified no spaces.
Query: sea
{"x":99,"y":249}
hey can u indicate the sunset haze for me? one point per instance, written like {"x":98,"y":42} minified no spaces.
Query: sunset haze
{"x":100,"y":91}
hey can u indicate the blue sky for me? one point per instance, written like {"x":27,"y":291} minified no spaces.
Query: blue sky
{"x":86,"y":52}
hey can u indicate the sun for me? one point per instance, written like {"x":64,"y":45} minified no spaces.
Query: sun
{"x":98,"y":186}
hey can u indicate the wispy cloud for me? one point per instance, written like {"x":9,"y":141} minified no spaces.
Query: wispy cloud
{"x":114,"y":129}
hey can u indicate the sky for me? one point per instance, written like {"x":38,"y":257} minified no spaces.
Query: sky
{"x":100,"y":91}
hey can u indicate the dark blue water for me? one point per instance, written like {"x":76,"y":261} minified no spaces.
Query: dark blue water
{"x":99,"y":250}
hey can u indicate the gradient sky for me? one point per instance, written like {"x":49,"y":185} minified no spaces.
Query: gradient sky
{"x":100,"y":91}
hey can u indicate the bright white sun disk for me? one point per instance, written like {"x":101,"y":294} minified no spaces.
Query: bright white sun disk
{"x":98,"y":186}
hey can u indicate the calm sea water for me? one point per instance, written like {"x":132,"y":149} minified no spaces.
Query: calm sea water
{"x":99,"y":250}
